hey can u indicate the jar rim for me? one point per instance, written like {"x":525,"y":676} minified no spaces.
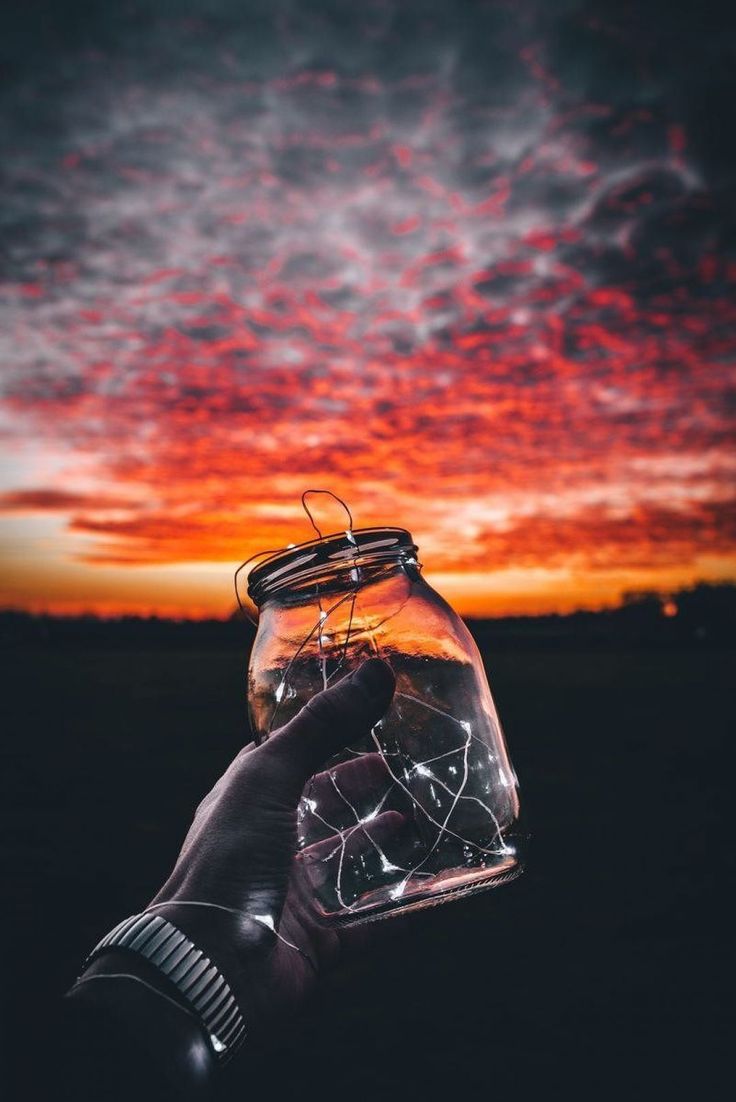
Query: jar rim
{"x":348,"y":549}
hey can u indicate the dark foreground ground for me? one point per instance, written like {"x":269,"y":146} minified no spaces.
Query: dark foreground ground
{"x":601,"y":973}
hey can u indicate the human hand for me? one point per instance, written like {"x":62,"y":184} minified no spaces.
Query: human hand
{"x":235,"y":889}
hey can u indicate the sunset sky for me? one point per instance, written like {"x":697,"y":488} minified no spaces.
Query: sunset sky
{"x":469,"y":265}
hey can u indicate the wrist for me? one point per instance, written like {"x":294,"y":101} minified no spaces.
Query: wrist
{"x":140,"y":1026}
{"x":185,"y":975}
{"x":238,"y":944}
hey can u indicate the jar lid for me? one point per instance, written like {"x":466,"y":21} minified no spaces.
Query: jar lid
{"x":341,"y":550}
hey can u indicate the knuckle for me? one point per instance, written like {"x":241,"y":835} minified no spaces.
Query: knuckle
{"x":328,"y":708}
{"x":271,"y":767}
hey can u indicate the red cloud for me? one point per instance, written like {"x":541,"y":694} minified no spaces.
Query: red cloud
{"x":505,"y":322}
{"x":45,"y":500}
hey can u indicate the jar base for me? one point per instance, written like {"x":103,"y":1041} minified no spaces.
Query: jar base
{"x":453,"y":885}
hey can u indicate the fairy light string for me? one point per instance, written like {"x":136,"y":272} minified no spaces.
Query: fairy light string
{"x":399,"y":779}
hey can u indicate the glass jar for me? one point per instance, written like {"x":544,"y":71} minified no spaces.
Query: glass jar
{"x":426,"y":807}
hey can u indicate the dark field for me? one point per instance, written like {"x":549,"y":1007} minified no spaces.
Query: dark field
{"x":601,"y":973}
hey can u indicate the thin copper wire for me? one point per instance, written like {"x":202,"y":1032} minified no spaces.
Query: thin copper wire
{"x":258,"y":555}
{"x":292,"y":547}
{"x":298,"y":651}
{"x":320,"y":641}
{"x":329,"y":494}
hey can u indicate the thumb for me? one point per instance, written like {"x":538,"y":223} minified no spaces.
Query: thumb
{"x":331,"y":720}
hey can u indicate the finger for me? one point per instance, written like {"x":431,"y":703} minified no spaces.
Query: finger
{"x":361,"y":838}
{"x":341,"y":796}
{"x":338,"y":868}
{"x":356,"y":772}
{"x":330,"y":721}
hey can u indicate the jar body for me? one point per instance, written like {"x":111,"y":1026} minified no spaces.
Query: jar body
{"x":426,"y":807}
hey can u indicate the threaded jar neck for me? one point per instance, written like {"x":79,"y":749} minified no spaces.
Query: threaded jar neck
{"x":341,"y":559}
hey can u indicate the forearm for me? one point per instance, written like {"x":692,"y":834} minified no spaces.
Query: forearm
{"x":247,"y":945}
{"x":124,"y":1035}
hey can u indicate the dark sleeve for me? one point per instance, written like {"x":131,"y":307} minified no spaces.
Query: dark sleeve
{"x":118,"y":1039}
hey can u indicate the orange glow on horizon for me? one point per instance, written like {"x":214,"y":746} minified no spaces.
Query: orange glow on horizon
{"x":205,"y":590}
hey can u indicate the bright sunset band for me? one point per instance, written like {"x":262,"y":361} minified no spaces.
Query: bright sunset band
{"x":484,"y":304}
